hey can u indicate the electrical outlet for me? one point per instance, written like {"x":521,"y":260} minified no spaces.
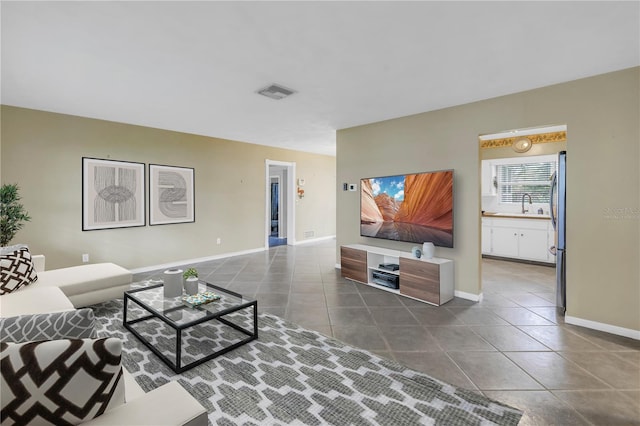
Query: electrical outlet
{"x":219,"y":241}
{"x":85,"y":258}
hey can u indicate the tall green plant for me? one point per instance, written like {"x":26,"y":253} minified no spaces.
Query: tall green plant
{"x":12,"y":213}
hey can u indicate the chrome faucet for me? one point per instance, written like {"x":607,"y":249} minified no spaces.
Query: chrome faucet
{"x":525,"y":195}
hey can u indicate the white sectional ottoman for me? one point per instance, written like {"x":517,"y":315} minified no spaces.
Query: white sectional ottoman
{"x":87,"y":285}
{"x":66,"y":288}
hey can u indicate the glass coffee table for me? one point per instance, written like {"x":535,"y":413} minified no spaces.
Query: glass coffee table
{"x":184,"y":337}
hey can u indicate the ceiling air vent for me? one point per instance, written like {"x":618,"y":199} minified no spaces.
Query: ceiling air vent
{"x":275,"y":91}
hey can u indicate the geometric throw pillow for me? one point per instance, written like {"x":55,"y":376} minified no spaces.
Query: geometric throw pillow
{"x":76,"y":324}
{"x":60,"y":382}
{"x":16,"y":270}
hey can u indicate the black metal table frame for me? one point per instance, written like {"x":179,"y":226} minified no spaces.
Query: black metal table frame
{"x":177,"y":367}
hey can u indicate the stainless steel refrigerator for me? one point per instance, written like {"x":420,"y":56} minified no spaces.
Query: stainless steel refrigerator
{"x":558,"y":211}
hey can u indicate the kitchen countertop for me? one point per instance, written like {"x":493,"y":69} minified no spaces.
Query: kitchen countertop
{"x":517,"y":215}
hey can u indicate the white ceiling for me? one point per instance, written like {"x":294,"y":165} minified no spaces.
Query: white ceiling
{"x":195,"y":66}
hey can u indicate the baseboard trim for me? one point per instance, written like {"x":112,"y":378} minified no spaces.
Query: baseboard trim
{"x":197,"y":260}
{"x":608,"y":328}
{"x":314,"y":240}
{"x":468,"y":296}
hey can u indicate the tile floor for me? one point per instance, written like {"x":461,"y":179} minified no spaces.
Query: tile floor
{"x":511,"y":346}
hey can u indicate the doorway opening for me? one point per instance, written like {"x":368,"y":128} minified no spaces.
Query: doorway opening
{"x":518,"y":236}
{"x":276,"y":234}
{"x":279,"y":205}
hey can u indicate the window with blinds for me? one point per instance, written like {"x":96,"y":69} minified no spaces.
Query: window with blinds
{"x":515,"y":180}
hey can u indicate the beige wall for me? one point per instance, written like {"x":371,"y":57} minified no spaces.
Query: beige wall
{"x":42,"y":152}
{"x":603,"y":138}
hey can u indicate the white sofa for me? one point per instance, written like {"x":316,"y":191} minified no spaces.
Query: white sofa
{"x":65,"y":290}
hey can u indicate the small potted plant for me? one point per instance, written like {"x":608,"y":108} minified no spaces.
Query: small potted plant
{"x":190,"y":281}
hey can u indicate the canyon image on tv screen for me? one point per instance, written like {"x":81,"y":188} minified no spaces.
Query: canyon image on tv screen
{"x":414,"y":208}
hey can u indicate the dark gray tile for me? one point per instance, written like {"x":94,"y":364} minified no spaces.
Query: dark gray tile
{"x":413,"y":303}
{"x":434,"y":316}
{"x":274,"y":288}
{"x":307,"y":288}
{"x":496,"y":300}
{"x":512,"y":291}
{"x":278,"y":274}
{"x":277,"y":277}
{"x":608,"y":368}
{"x":437,"y":365}
{"x":458,"y":302}
{"x":249,"y":276}
{"x":548,"y":312}
{"x":632,"y":357}
{"x":307,"y":300}
{"x":605,"y":340}
{"x":306,"y":277}
{"x":605,"y":407}
{"x":459,"y":338}
{"x":245,"y":289}
{"x":220,"y":278}
{"x":332,"y":275}
{"x":366,"y":337}
{"x":539,"y":408}
{"x":322,"y":329}
{"x":493,"y":371}
{"x":392,"y":316}
{"x":350,"y":316}
{"x":410,"y":338}
{"x":508,"y":338}
{"x":521,"y":316}
{"x":477,"y":316}
{"x":528,"y":299}
{"x":555,"y":372}
{"x":307,"y":316}
{"x":341,"y":287}
{"x":272,"y":300}
{"x":343,"y":299}
{"x":559,"y":338}
{"x":381,"y":298}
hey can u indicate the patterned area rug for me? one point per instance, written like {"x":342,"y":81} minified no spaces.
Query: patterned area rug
{"x":291,"y":375}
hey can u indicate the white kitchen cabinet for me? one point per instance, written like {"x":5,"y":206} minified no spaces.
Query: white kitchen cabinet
{"x":504,"y":241}
{"x":486,"y":235}
{"x":527,"y":239}
{"x":533,"y":244}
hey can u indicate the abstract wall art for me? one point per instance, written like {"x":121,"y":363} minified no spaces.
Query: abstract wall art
{"x":171,"y":194}
{"x":113,"y":194}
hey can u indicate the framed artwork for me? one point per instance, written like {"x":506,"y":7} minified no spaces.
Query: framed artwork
{"x":171,"y":194}
{"x":113,"y":194}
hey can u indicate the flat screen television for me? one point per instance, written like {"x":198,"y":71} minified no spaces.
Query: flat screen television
{"x":414,"y":208}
